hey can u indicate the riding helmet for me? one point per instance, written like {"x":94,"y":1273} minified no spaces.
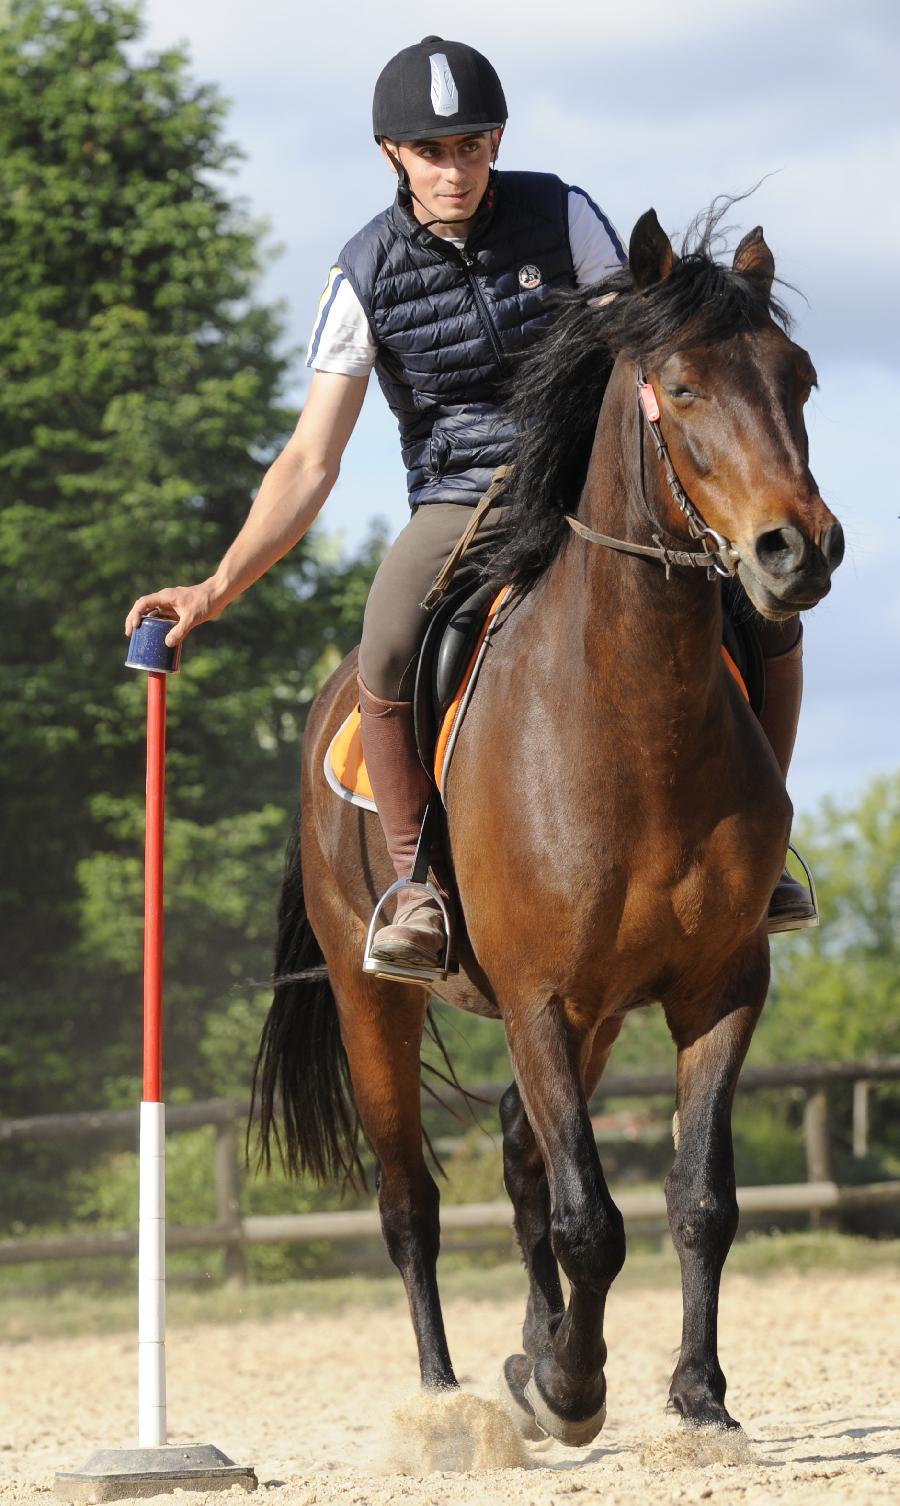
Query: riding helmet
{"x":436,"y":88}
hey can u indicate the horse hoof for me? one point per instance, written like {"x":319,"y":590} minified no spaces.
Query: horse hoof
{"x":703,"y":1413}
{"x":513,"y":1378}
{"x":574,"y":1434}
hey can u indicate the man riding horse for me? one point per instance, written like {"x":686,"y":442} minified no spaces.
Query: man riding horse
{"x":438,"y":294}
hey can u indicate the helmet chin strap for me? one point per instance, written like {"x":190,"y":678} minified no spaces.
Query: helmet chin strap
{"x":407,"y":191}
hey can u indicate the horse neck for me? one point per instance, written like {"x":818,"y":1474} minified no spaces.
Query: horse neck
{"x":664,"y":633}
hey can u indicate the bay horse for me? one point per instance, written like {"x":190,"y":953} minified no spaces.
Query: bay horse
{"x":616,"y":818}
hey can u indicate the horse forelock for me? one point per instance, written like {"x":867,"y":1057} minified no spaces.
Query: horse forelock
{"x":556,"y":392}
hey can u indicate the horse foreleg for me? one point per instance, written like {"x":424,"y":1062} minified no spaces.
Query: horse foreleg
{"x":567,"y":1388}
{"x":381,"y":1027}
{"x":700,"y":1188}
{"x":526,"y":1182}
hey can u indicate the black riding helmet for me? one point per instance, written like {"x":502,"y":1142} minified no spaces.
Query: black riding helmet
{"x":436,"y":88}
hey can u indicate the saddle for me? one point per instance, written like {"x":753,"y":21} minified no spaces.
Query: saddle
{"x":449,"y":660}
{"x":452,"y":652}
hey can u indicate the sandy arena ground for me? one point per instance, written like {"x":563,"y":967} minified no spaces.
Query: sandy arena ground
{"x":811,"y":1362}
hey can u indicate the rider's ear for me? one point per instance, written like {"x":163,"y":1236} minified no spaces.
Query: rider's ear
{"x":650,"y":254}
{"x":388,"y":152}
{"x":754,"y":256}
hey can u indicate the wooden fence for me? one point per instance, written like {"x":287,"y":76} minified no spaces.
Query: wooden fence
{"x":819,"y":1196}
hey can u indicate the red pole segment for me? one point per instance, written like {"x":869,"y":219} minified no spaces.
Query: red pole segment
{"x":153,"y":886}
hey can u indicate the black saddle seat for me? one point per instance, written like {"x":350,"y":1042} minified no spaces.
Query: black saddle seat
{"x":446,"y":649}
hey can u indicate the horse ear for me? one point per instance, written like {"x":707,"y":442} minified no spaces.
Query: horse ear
{"x":754,"y":256}
{"x":650,"y":255}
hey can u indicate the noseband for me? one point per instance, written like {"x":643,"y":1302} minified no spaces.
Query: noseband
{"x":717,"y":557}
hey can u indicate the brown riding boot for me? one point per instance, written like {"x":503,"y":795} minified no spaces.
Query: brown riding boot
{"x":418,"y":936}
{"x":790,"y":908}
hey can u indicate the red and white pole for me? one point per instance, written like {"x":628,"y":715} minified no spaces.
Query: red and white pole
{"x":153,"y":1468}
{"x":152,"y":1214}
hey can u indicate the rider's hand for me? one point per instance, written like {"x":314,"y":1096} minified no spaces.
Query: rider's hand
{"x":187,"y":606}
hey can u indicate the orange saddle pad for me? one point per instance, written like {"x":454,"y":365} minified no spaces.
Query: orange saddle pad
{"x":345,"y":766}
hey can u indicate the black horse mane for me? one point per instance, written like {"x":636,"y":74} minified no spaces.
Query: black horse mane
{"x":555,"y":394}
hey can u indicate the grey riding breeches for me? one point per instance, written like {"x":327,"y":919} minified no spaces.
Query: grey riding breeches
{"x":395,"y":621}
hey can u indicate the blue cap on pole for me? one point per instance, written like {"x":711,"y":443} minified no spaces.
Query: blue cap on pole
{"x":147,"y":648}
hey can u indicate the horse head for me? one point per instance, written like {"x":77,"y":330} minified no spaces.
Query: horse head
{"x":731,"y":386}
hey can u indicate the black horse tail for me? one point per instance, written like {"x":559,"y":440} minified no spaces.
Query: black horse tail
{"x":301,"y":1065}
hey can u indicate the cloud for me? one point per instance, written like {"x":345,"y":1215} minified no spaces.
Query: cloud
{"x":273,"y":38}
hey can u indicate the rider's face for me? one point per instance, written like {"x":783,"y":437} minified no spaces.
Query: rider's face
{"x":448,"y":176}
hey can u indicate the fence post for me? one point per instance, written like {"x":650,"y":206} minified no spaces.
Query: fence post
{"x":860,"y":1119}
{"x":226,"y":1171}
{"x":818,"y":1148}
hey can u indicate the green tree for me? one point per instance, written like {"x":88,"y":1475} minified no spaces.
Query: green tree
{"x":836,"y":991}
{"x":142,"y":396}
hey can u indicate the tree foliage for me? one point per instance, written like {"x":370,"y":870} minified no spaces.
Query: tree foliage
{"x":836,"y":991}
{"x":142,"y":395}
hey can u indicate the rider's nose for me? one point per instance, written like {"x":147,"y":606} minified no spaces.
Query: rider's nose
{"x":781,"y":551}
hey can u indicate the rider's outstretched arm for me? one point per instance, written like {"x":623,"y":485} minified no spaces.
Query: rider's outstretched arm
{"x":292,"y":492}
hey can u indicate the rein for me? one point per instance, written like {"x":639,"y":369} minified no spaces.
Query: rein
{"x":720,"y":560}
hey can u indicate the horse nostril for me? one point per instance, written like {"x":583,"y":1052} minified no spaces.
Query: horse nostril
{"x":832,"y":545}
{"x":781,"y":551}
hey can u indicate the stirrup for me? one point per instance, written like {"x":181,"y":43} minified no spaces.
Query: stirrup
{"x":814,"y":919}
{"x":424,"y":974}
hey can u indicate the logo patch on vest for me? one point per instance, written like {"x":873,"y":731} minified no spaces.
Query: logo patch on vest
{"x":530,"y":276}
{"x":444,"y":93}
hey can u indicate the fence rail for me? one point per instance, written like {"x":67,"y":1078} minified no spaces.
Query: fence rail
{"x":233,"y":1231}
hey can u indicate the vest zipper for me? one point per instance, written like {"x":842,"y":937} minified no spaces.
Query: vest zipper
{"x":484,"y":315}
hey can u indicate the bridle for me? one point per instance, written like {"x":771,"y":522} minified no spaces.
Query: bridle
{"x":721,"y":559}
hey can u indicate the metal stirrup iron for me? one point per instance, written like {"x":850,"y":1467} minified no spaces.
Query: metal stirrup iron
{"x":811,"y":884}
{"x":417,"y":880}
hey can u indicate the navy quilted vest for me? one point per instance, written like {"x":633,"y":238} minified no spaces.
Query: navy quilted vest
{"x":447,"y":321}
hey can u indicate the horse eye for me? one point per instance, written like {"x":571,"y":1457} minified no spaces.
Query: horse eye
{"x":678,"y":392}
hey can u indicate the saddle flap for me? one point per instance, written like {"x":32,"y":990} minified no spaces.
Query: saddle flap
{"x":446,"y":649}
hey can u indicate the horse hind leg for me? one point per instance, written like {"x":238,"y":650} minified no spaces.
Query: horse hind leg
{"x":700,"y":1188}
{"x":381,"y":1027}
{"x":322,"y":1027}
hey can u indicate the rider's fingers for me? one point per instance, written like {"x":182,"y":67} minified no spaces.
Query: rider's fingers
{"x":186,"y":620}
{"x":157,"y":601}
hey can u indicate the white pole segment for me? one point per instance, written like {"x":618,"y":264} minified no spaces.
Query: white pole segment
{"x":152,"y":1278}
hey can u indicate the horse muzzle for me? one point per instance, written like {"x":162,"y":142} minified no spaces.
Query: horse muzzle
{"x":786,"y":571}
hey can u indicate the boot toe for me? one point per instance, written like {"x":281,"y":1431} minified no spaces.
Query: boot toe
{"x":791,"y":908}
{"x":417,"y":937}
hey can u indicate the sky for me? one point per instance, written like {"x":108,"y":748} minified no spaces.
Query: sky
{"x":650,"y":104}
